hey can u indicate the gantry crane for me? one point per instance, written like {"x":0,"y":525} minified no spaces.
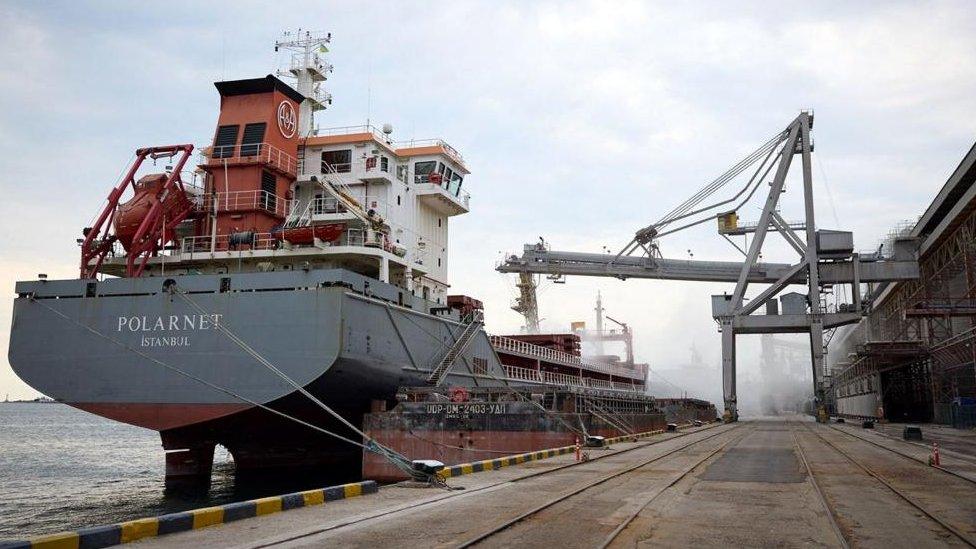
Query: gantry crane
{"x":625,"y":335}
{"x":826,"y":258}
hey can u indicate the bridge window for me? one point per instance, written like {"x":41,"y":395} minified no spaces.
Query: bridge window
{"x":338,"y":161}
{"x":384,"y":164}
{"x":421,"y":171}
{"x":456,"y":181}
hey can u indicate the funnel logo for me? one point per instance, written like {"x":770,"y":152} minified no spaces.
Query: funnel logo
{"x":287,"y":119}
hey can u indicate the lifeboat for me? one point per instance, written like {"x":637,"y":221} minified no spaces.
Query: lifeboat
{"x":329,"y":232}
{"x":148,"y":189}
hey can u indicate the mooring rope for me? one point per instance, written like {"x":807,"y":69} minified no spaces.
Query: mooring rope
{"x":191,"y":376}
{"x":398,"y":460}
{"x":370,"y":445}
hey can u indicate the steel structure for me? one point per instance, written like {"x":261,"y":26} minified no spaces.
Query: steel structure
{"x":918,"y":344}
{"x":601,"y":335}
{"x":526,"y":304}
{"x":826,"y":258}
{"x":154,"y":230}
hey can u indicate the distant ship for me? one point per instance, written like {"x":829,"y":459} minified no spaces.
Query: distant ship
{"x":319,"y":253}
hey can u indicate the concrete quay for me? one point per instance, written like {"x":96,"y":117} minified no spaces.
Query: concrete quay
{"x":782,"y":482}
{"x":772,"y":482}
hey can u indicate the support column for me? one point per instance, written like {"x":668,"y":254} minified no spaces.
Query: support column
{"x":728,"y":370}
{"x":817,"y":356}
{"x":189,"y":467}
{"x":384,"y":270}
{"x":408,"y":278}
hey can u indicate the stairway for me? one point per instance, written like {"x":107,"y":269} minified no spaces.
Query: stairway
{"x":609,"y":417}
{"x":472,"y":323}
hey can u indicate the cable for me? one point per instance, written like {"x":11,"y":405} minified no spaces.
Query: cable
{"x":830,"y":195}
{"x":723,"y":179}
{"x":118,"y":180}
{"x":687,"y":208}
{"x":371,"y":444}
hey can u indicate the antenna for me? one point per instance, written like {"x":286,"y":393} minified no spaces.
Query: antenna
{"x":308,"y":68}
{"x":369,"y":90}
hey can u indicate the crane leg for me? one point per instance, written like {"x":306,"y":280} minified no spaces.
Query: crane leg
{"x":728,"y":372}
{"x":817,"y":356}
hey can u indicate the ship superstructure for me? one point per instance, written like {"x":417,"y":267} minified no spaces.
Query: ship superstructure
{"x":273,"y":192}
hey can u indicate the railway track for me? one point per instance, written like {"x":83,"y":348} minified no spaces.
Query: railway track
{"x":582,"y":489}
{"x":413,"y":506}
{"x":961,"y":536}
{"x":831,"y":514}
{"x":906,"y":456}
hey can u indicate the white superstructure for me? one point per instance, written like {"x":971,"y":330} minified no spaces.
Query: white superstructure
{"x":392,"y":200}
{"x":415,"y":187}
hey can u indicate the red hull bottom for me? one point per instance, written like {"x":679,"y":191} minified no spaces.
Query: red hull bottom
{"x":158,"y":416}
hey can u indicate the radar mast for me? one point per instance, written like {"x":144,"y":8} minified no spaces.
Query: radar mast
{"x":309,"y":69}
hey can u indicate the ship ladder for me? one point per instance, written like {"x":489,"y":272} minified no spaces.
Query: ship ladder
{"x":608,"y":417}
{"x":300,"y":217}
{"x":472,"y":323}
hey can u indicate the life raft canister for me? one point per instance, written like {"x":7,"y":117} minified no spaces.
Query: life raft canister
{"x":459,"y":394}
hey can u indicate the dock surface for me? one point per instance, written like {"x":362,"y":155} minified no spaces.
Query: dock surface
{"x":754,"y":483}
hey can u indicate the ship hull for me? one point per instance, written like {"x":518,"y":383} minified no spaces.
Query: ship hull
{"x":138,"y":351}
{"x":477,"y":438}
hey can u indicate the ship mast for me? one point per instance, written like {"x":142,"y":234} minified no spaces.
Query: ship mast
{"x":309,"y":69}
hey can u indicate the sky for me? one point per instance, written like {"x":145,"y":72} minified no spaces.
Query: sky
{"x":581,"y":122}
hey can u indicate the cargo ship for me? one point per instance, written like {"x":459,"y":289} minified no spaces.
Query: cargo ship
{"x":224,"y":294}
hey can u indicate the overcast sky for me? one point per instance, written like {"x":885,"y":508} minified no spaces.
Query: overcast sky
{"x":580,"y":121}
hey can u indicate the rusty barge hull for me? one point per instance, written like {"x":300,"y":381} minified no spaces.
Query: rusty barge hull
{"x":491,"y":423}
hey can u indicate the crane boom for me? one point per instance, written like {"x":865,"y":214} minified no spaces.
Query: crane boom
{"x":538,"y":260}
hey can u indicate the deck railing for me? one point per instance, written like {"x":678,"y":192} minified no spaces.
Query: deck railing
{"x":350,"y":130}
{"x":228,"y":242}
{"x":413,"y":143}
{"x":517,"y":373}
{"x":250,"y":153}
{"x":452,"y":188}
{"x":236,"y":201}
{"x":560,"y":357}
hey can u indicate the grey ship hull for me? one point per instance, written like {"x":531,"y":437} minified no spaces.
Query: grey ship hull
{"x":348,"y":339}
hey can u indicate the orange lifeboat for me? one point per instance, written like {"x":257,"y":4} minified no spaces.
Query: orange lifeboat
{"x":148,"y":191}
{"x":304,"y":236}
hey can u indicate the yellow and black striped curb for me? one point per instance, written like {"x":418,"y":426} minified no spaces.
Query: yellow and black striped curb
{"x":124,"y":532}
{"x":492,"y":464}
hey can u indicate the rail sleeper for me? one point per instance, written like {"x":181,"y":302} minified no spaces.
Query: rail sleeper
{"x":125,"y":532}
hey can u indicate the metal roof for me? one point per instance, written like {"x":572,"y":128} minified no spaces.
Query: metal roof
{"x":257,"y":85}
